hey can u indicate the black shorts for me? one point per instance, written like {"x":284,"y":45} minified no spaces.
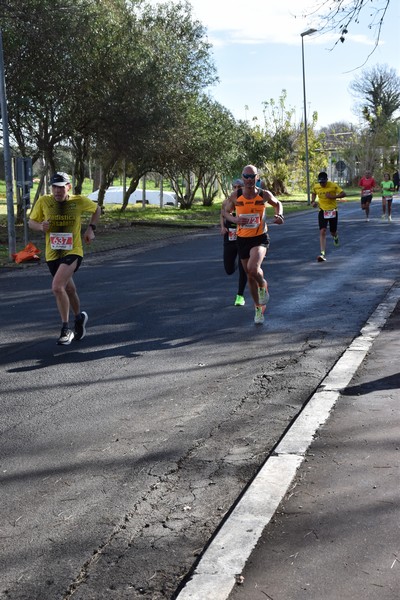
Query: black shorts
{"x":323,"y":223}
{"x":66,"y":260}
{"x":365,"y":199}
{"x":245,"y":244}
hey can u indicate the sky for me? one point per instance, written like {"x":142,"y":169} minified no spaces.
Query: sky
{"x":257,"y":51}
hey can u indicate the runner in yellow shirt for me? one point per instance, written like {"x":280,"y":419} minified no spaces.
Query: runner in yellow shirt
{"x":59,"y":217}
{"x":327,"y":192}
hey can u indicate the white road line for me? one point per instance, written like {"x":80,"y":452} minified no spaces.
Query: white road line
{"x":226,"y":556}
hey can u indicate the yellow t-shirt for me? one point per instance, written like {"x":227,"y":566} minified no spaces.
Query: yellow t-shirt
{"x":65,"y":219}
{"x":321,"y":191}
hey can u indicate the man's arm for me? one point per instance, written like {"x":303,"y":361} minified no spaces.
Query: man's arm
{"x":336,"y":195}
{"x":230,"y":204}
{"x":89,"y":235}
{"x":277,"y":204}
{"x":222,"y":218}
{"x":314,"y":201}
{"x":38,"y":226}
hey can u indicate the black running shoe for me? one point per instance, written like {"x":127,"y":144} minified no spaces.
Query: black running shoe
{"x":66,"y":337}
{"x":80,"y":326}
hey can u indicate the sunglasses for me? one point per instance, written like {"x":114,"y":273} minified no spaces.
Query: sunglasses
{"x":248,"y":176}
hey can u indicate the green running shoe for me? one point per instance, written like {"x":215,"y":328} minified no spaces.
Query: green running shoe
{"x":240,"y":301}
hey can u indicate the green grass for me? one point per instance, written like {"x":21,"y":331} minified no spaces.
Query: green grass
{"x":113,"y":219}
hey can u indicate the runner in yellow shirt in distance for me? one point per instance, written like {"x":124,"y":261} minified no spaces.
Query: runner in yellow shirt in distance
{"x":327,"y":192}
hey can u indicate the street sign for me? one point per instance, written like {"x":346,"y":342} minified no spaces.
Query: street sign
{"x":341,"y":167}
{"x":23,"y":168}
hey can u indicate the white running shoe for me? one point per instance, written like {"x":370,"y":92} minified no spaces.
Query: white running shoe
{"x":66,"y":337}
{"x":259,"y":314}
{"x":263,"y":296}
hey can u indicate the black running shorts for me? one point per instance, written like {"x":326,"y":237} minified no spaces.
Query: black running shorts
{"x":245,"y":244}
{"x":66,"y":260}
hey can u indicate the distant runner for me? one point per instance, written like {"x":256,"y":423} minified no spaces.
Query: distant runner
{"x":228,"y":230}
{"x":59,"y":216}
{"x":367,"y":185}
{"x":327,"y":192}
{"x":387,"y":187}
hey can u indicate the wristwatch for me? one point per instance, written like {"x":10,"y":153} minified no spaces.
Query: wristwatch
{"x":93,"y":226}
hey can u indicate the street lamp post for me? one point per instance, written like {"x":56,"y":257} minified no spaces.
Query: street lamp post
{"x":7,"y":157}
{"x":308,"y":32}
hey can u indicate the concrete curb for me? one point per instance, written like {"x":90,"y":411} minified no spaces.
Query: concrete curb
{"x":222,"y":563}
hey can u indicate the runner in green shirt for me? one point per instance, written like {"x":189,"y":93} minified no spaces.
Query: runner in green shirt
{"x":387,"y":187}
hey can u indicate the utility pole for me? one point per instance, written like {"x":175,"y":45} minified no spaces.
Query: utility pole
{"x":7,"y":158}
{"x":308,"y":32}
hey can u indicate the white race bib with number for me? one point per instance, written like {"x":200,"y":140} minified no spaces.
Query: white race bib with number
{"x":232,"y":234}
{"x":329,"y":214}
{"x":61,"y":241}
{"x":252,"y":221}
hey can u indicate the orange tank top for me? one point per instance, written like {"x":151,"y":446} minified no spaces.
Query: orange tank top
{"x":253,"y":210}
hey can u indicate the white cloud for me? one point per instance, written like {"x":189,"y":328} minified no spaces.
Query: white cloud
{"x":261,"y":21}
{"x":267,"y":33}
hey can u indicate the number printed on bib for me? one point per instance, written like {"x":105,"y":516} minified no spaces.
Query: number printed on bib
{"x":61,"y":241}
{"x":252,"y":221}
{"x":329,"y":214}
{"x":232,"y":234}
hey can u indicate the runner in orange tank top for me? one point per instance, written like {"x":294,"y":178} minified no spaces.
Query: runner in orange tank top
{"x":249,"y":204}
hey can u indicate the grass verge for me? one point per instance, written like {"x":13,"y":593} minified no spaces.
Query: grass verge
{"x":136,"y":225}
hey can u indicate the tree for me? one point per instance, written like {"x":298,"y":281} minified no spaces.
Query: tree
{"x":317,"y":157}
{"x":42,"y":40}
{"x":167,"y":65}
{"x":341,"y":15}
{"x":270,"y":146}
{"x":378,"y":90}
{"x":110,"y":74}
{"x":202,"y":150}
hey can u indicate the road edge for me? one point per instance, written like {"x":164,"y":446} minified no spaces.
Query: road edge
{"x":224,"y":559}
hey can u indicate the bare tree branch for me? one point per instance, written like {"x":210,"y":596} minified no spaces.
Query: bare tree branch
{"x":340,"y":16}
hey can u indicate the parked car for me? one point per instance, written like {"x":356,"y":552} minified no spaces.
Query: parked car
{"x":114,"y":195}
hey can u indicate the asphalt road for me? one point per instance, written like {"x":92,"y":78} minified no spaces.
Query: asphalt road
{"x":121,"y":454}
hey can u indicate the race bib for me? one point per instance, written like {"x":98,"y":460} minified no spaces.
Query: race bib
{"x":366,"y":193}
{"x":329,"y":214}
{"x":232,"y":234}
{"x":252,"y":221}
{"x":61,"y":241}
